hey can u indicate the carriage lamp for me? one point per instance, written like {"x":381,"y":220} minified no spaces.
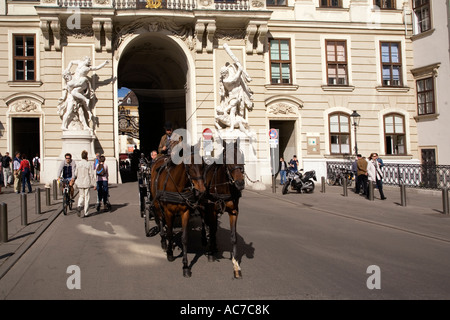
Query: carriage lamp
{"x":356,"y":118}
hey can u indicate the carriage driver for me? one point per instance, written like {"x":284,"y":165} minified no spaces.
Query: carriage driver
{"x":66,"y":171}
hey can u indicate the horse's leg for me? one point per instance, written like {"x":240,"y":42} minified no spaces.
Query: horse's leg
{"x":169,"y":230}
{"x":233,"y":215}
{"x":204,"y":238}
{"x":211,"y":221}
{"x":184,"y":240}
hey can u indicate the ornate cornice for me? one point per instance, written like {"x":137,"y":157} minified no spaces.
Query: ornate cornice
{"x":184,"y":32}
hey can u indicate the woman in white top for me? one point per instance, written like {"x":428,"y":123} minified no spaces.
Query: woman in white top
{"x":375,"y":174}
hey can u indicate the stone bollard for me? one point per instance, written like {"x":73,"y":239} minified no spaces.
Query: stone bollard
{"x":47,"y":197}
{"x":55,"y":190}
{"x":3,"y":222}
{"x":38,"y":200}
{"x":23,"y":209}
{"x":371,"y":191}
{"x":445,"y":206}
{"x":344,"y":185}
{"x":403,"y":195}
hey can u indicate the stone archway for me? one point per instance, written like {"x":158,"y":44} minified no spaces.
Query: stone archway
{"x":155,"y":67}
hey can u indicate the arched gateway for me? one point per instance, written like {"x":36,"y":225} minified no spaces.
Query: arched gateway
{"x":154,"y":61}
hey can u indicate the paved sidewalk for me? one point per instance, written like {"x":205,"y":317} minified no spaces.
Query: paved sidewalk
{"x":20,"y":236}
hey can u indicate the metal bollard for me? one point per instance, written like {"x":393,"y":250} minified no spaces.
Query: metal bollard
{"x":38,"y":200}
{"x":322,"y":181}
{"x":3,"y":222}
{"x":403,"y":195}
{"x":47,"y":196}
{"x":23,"y":209}
{"x":345,"y":187}
{"x":55,"y":190}
{"x":445,"y":206}
{"x":370,"y":190}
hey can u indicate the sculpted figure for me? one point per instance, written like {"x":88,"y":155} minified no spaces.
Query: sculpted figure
{"x":77,"y":94}
{"x":235,"y":97}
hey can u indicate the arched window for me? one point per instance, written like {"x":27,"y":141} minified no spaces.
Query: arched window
{"x":394,"y":134}
{"x":339,"y":133}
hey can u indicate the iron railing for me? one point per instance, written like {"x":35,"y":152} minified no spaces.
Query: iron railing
{"x":411,"y":175}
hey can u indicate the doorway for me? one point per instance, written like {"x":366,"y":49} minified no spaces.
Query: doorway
{"x":286,"y":138}
{"x":25,"y":137}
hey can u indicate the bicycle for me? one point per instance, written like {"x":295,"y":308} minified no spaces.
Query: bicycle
{"x":337,"y":177}
{"x":67,"y":200}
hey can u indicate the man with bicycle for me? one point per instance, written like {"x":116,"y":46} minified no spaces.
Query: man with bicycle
{"x":66,"y":172}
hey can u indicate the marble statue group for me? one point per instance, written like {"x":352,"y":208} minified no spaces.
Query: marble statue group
{"x":78,"y":94}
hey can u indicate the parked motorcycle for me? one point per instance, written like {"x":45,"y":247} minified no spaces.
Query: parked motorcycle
{"x":299,"y":181}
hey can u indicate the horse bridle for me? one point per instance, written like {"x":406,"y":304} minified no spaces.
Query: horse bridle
{"x":229,"y":173}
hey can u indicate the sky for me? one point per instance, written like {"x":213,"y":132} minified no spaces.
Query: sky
{"x":123,"y":91}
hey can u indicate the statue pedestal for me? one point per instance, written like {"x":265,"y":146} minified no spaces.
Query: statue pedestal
{"x":247,"y":146}
{"x":74,"y":142}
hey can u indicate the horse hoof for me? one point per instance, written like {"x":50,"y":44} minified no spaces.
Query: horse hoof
{"x":170,"y":257}
{"x":238,"y":274}
{"x":211,"y":258}
{"x":187,"y":272}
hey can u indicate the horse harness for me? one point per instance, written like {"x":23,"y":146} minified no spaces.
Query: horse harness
{"x":185,"y":196}
{"x":219,"y":199}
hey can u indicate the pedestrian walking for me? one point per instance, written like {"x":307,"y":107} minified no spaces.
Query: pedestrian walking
{"x":282,"y":167}
{"x":361,"y":180}
{"x":84,"y":180}
{"x":102,"y":184}
{"x":375,"y":174}
{"x":6,"y":165}
{"x":25,"y":170}
{"x":17,"y":172}
{"x":37,"y":167}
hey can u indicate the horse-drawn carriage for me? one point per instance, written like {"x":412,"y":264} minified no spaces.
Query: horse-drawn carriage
{"x":178,"y":190}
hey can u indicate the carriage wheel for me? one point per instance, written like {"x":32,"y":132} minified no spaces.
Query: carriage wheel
{"x":149,"y":231}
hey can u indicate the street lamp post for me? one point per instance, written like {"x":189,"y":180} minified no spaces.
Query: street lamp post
{"x":356,"y":118}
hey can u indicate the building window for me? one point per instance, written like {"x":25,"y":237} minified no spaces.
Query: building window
{"x":394,"y":133}
{"x":336,"y":62}
{"x":24,"y":57}
{"x":280,"y":61}
{"x":421,"y":10}
{"x":385,"y":4}
{"x":331,"y":3}
{"x":391,"y":64}
{"x":425,"y":96}
{"x":339,"y":133}
{"x":275,"y":3}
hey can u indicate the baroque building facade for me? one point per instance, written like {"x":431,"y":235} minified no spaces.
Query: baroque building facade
{"x":312,"y":63}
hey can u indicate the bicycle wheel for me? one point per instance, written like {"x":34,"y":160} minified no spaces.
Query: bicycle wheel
{"x":70,"y":202}
{"x":65,"y":197}
{"x":349,"y":180}
{"x":331,"y":179}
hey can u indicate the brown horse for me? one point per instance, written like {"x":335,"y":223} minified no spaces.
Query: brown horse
{"x":224,"y":184}
{"x":175,"y":190}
